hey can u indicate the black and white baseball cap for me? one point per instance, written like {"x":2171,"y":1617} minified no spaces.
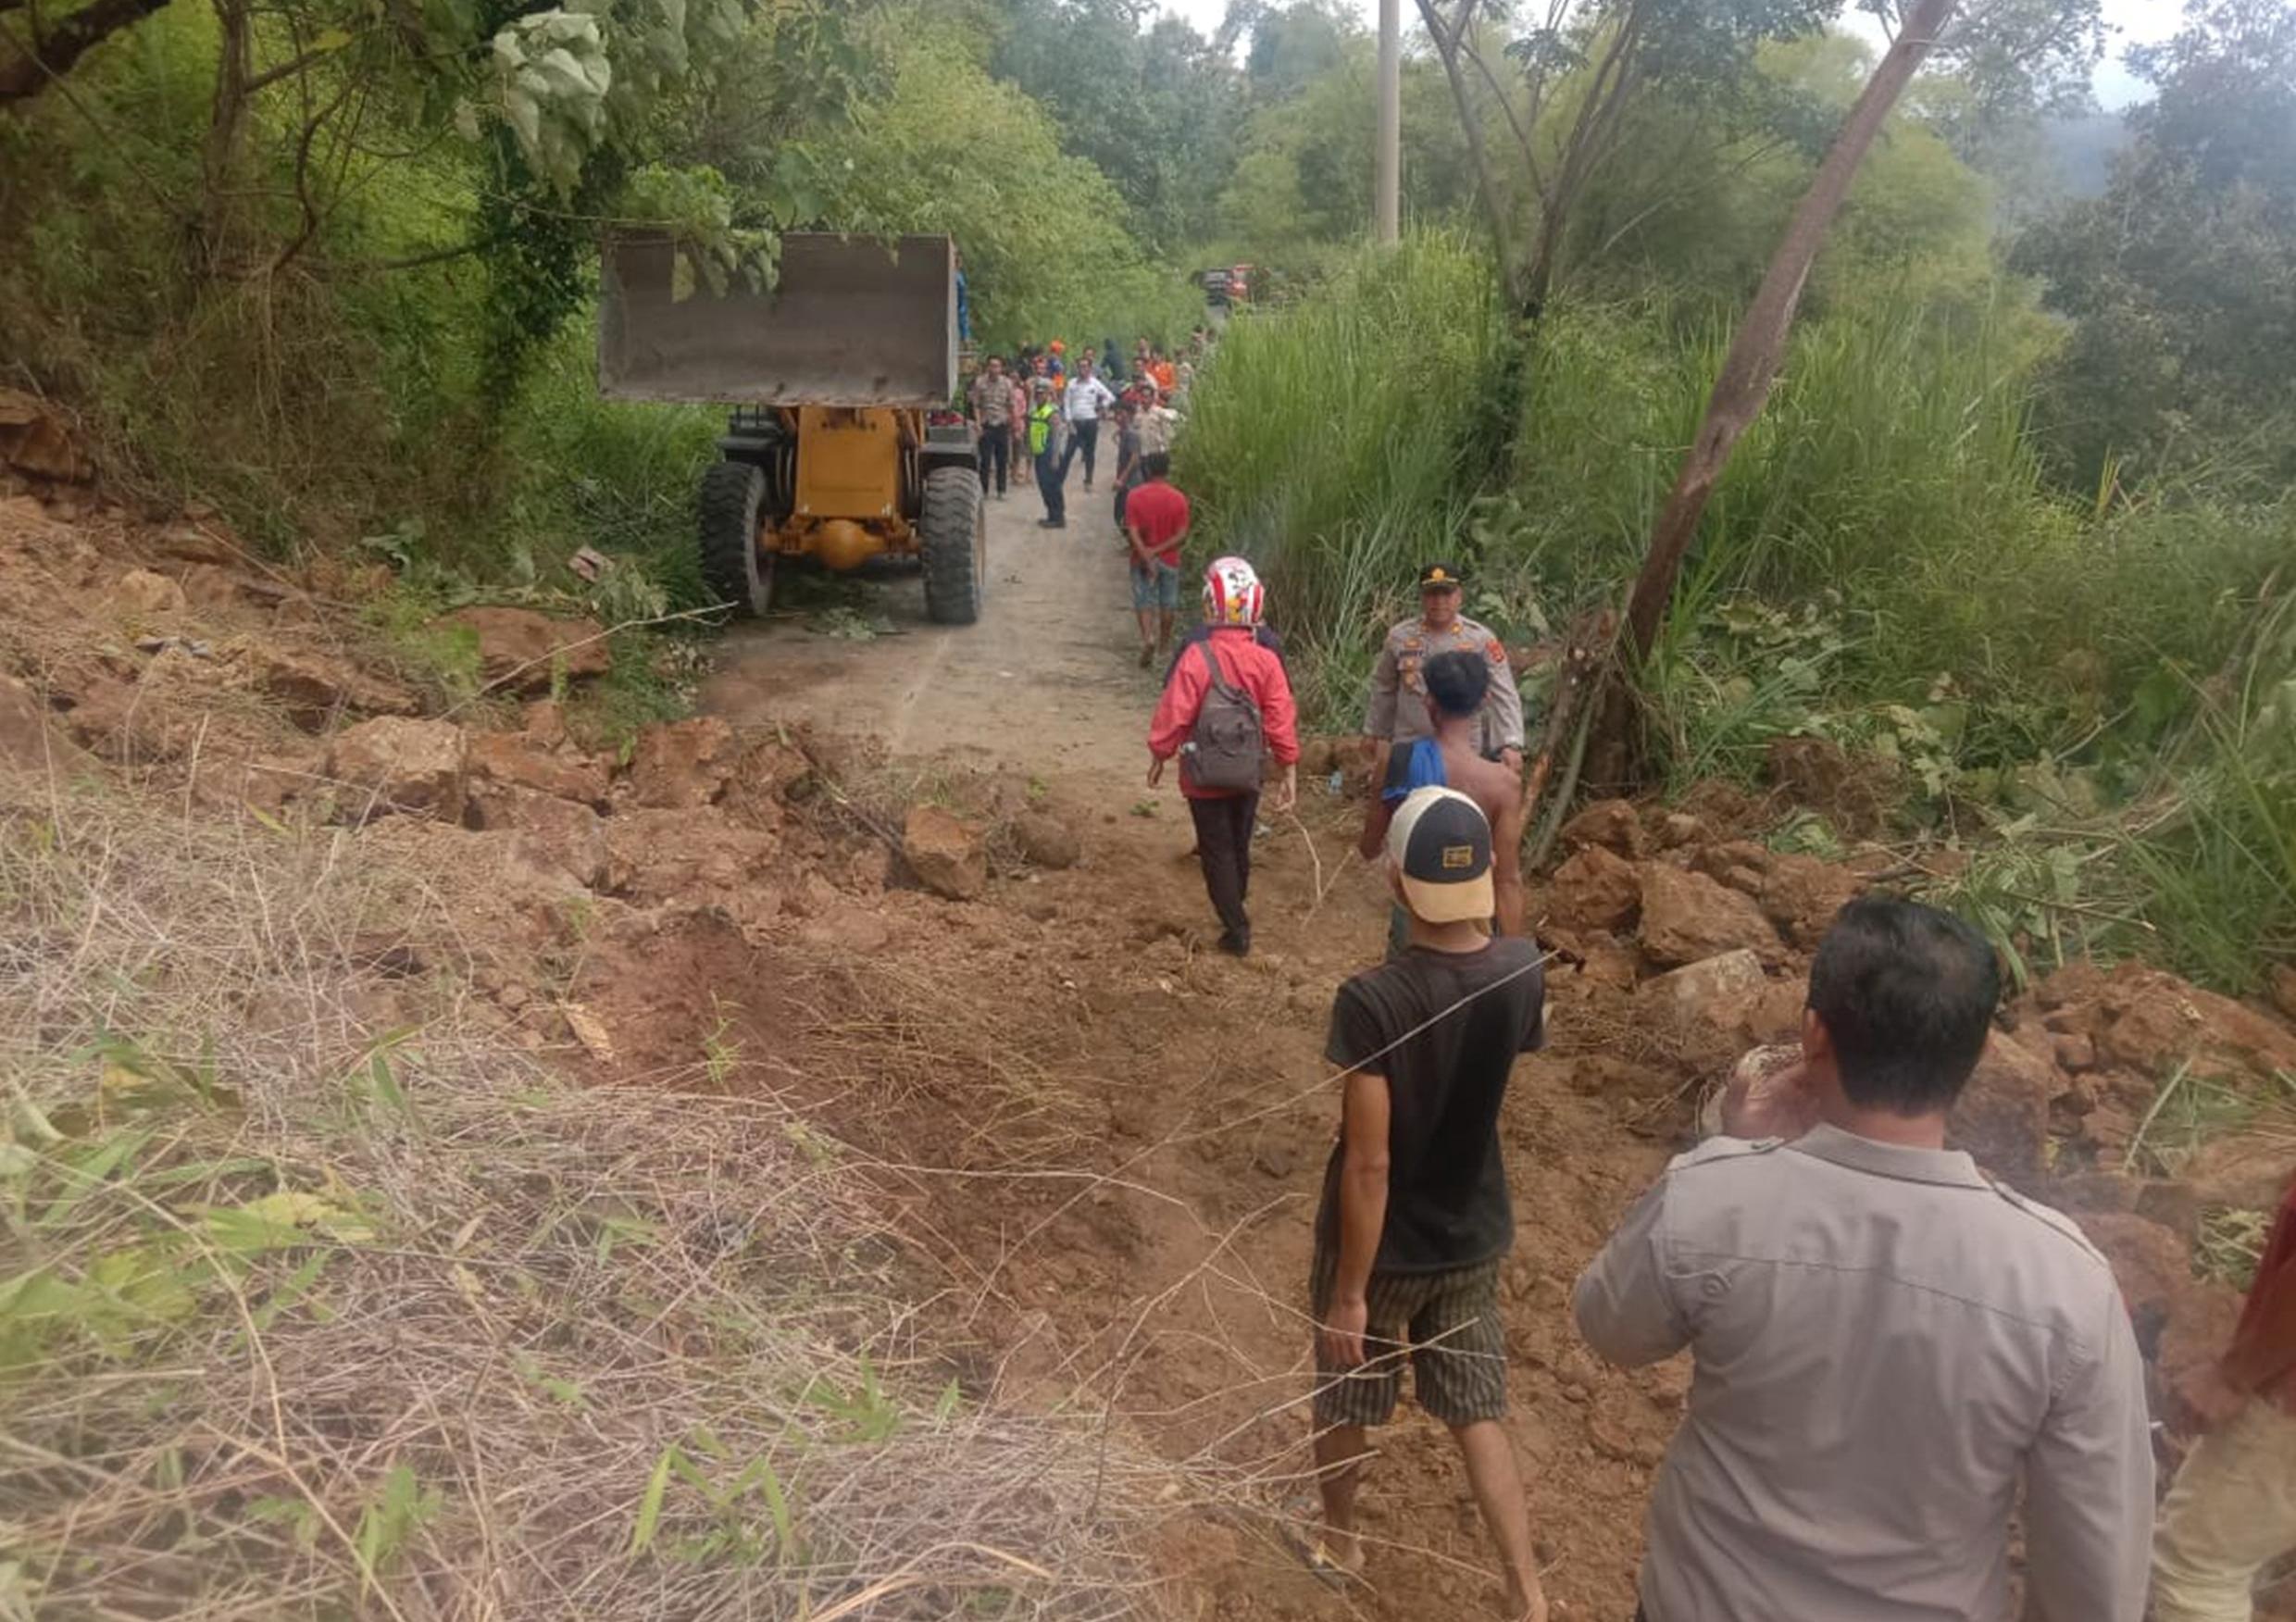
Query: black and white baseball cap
{"x":1440,"y":842}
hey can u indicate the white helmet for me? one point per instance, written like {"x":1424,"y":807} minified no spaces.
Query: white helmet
{"x":1233,"y":592}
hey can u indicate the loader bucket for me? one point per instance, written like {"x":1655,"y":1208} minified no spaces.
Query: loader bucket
{"x":849,"y":321}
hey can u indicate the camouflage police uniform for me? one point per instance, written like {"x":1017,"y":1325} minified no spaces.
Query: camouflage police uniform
{"x":1397,"y":713}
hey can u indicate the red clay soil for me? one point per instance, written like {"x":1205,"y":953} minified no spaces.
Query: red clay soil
{"x":1106,"y":1140}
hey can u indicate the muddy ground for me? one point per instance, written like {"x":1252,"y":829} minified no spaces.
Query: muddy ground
{"x":1104,"y":1141}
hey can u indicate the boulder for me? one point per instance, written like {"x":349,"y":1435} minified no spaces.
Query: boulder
{"x":549,"y":833}
{"x":514,"y":759}
{"x":2150,"y":1262}
{"x":948,"y":856}
{"x":317,"y":691}
{"x":1595,"y":890}
{"x":1801,"y":895}
{"x":2001,"y":1118}
{"x":1704,"y":1003}
{"x":141,"y":594}
{"x":1739,"y":863}
{"x":29,"y":740}
{"x":415,"y":768}
{"x":1687,"y":916}
{"x":36,"y":439}
{"x":1045,"y":840}
{"x":525,"y":653}
{"x":1612,"y":824}
{"x":681,"y":763}
{"x":2150,"y":1021}
{"x":2178,"y":1318}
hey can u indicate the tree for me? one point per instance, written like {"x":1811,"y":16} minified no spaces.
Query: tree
{"x":2181,"y":280}
{"x":1578,"y":72}
{"x":1302,"y":168}
{"x":1759,"y":345}
{"x":1154,"y":108}
{"x":945,"y":147}
{"x":1570,"y":88}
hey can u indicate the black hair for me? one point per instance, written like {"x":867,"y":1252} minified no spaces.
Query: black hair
{"x":1907,"y":994}
{"x":1155,"y":464}
{"x":1457,"y":681}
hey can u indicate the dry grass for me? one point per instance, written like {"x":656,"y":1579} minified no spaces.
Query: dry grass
{"x":318,"y":1297}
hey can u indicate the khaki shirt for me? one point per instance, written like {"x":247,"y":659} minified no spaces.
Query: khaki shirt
{"x":1884,"y":1343}
{"x":993,"y":401}
{"x":1398,"y":711}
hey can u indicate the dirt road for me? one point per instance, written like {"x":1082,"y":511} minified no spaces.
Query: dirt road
{"x":1188,"y":1091}
{"x":1043,"y":674}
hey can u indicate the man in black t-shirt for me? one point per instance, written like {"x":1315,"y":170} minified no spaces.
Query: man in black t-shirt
{"x":1414,"y":1218}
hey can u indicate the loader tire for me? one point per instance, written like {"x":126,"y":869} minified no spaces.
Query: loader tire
{"x":732,"y":496}
{"x":953,"y":541}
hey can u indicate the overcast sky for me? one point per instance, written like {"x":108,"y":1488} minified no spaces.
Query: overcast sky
{"x":2135,"y":20}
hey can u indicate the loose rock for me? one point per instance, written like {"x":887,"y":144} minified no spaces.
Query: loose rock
{"x":514,"y":759}
{"x":1596,"y":889}
{"x":1801,"y":895}
{"x":681,"y":763}
{"x":1706,"y":1002}
{"x":528,"y":653}
{"x":550,"y":834}
{"x":392,"y":765}
{"x":143,"y":594}
{"x":1687,"y":916}
{"x":2003,"y":1115}
{"x":948,"y":857}
{"x":1612,"y":824}
{"x":1046,"y":840}
{"x":1677,"y":829}
{"x":318,"y":692}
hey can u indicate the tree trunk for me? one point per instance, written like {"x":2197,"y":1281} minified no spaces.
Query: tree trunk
{"x":1447,"y":47}
{"x":223,"y":205}
{"x":32,"y":66}
{"x":1759,"y":346}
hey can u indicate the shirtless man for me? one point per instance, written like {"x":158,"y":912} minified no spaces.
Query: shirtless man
{"x":1452,"y":757}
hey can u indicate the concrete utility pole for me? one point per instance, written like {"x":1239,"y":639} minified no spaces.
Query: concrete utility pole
{"x":1388,"y":160}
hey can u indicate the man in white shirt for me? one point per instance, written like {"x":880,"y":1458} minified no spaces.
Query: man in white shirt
{"x":1083,"y":401}
{"x":1886,"y":1345}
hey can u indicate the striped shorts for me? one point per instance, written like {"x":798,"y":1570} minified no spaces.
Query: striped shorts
{"x":1447,"y":1324}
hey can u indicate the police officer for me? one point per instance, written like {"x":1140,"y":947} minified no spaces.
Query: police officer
{"x":1397,"y":713}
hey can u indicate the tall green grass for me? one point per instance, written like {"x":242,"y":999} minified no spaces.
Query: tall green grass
{"x":1884,"y":563}
{"x":1334,"y":443}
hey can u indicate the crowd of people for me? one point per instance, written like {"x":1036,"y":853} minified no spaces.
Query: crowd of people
{"x":1039,"y":412}
{"x":1897,"y":1364}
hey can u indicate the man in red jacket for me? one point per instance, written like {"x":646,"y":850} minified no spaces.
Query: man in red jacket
{"x":1233,"y":602}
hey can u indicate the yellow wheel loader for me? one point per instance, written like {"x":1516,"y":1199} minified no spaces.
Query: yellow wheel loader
{"x":841,"y":446}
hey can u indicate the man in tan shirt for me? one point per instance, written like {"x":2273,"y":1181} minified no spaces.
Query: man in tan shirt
{"x":1885,"y":1342}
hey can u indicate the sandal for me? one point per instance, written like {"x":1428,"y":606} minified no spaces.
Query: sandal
{"x":1298,"y":1525}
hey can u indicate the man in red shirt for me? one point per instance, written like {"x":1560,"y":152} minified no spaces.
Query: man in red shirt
{"x":2232,"y":1510}
{"x":1155,"y":522}
{"x":1233,"y":602}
